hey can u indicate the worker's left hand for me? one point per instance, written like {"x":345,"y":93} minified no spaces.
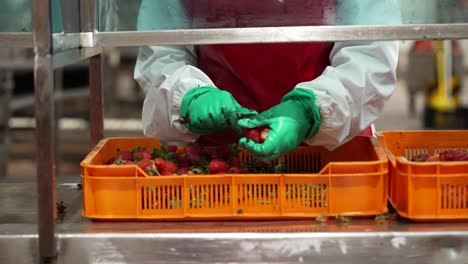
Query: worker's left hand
{"x":296,"y":118}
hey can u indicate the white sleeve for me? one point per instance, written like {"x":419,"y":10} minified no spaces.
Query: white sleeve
{"x":352,"y":91}
{"x":166,"y":74}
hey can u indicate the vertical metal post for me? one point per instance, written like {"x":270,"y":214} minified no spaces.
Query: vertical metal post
{"x":45,"y":139}
{"x":95,"y":85}
{"x":58,"y":91}
{"x":88,"y":24}
{"x":6,"y":89}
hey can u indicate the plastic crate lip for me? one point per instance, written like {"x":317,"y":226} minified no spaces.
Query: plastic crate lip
{"x":402,"y":160}
{"x":432,"y":175}
{"x":379,"y":151}
{"x":217,"y":176}
{"x":405,"y":161}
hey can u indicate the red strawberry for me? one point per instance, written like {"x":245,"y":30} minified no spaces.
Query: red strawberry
{"x":125,"y":154}
{"x":193,"y":157}
{"x":122,"y":162}
{"x":141,"y":154}
{"x":421,"y":157}
{"x":193,"y":148}
{"x":159,"y":163}
{"x":252,"y":134}
{"x":218,"y":166}
{"x":234,"y":170}
{"x":183,"y":170}
{"x":434,"y":157}
{"x":148,"y":166}
{"x":120,"y":155}
{"x":257,"y":135}
{"x":171,"y":148}
{"x":170,"y":167}
{"x":453,"y":155}
{"x":244,"y":170}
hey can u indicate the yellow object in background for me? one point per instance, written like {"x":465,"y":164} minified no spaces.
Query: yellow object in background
{"x":444,"y":99}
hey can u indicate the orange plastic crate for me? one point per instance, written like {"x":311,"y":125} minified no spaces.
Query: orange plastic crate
{"x":352,"y":180}
{"x":426,"y":191}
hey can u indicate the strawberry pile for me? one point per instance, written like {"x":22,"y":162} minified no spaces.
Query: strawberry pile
{"x":446,"y":155}
{"x":192,"y":159}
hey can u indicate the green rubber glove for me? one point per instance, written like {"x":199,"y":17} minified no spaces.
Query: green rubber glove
{"x":294,"y":119}
{"x":210,"y":109}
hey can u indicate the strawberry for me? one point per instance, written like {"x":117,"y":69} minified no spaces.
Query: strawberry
{"x":171,"y":148}
{"x":140,"y":153}
{"x":119,"y":156}
{"x":170,"y":167}
{"x":257,"y":135}
{"x":183,"y":170}
{"x":125,"y":154}
{"x":148,"y":166}
{"x":218,"y":166}
{"x":434,"y":157}
{"x":454,"y":155}
{"x":234,"y":170}
{"x":252,"y":134}
{"x":159,"y":163}
{"x":193,"y":157}
{"x":193,"y":148}
{"x":421,"y":157}
{"x":121,"y":161}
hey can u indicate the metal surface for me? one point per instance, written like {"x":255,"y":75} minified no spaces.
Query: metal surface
{"x":95,"y":96}
{"x":87,"y":15}
{"x":65,"y":41}
{"x":45,"y":117}
{"x":16,"y":40}
{"x":277,"y":34}
{"x":6,"y":90}
{"x":84,"y":241}
{"x":73,"y":56}
{"x":244,"y":35}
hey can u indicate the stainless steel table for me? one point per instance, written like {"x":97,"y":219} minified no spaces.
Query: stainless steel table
{"x":299,"y":241}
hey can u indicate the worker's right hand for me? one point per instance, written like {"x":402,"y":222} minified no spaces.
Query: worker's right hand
{"x":208,"y":109}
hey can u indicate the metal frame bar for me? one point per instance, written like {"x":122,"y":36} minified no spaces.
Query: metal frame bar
{"x":90,"y":38}
{"x":45,"y":128}
{"x":16,"y":40}
{"x":73,"y":56}
{"x":275,"y":35}
{"x":95,"y":97}
{"x":6,"y":90}
{"x":88,"y":24}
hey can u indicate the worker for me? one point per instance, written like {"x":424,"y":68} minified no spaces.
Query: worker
{"x":313,"y":93}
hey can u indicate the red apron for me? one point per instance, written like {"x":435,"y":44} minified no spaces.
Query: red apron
{"x":259,"y":75}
